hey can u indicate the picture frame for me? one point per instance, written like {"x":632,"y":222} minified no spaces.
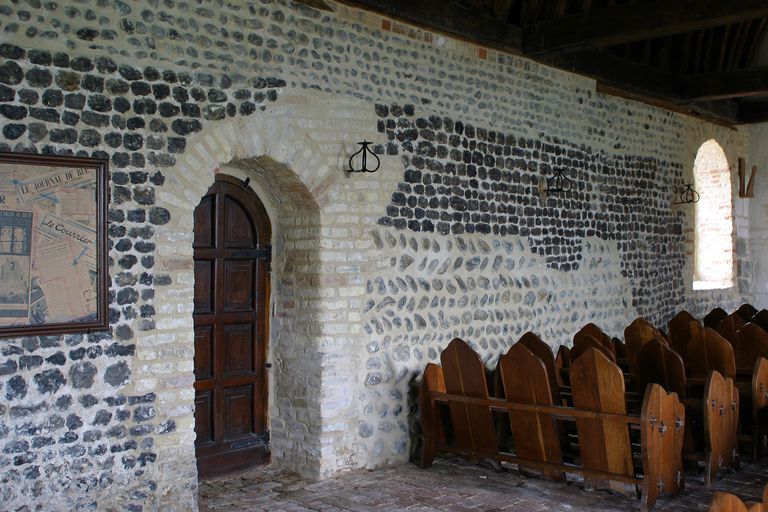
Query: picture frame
{"x":53,"y":244}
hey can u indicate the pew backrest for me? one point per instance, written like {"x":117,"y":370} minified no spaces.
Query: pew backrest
{"x":584,"y":342}
{"x":680,"y":331}
{"x":659,"y":364}
{"x":544,"y":352}
{"x":597,"y":333}
{"x":709,"y":351}
{"x":472,"y":425}
{"x":714,"y":317}
{"x":637,"y":334}
{"x":746,"y":311}
{"x":526,"y":381}
{"x":750,"y":343}
{"x":597,"y":385}
{"x":729,"y":326}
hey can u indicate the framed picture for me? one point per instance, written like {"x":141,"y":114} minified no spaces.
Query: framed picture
{"x":53,"y":244}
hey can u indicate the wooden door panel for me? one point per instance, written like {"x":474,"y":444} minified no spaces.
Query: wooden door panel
{"x":238,"y":285}
{"x":238,"y":349}
{"x":203,"y":352}
{"x":238,"y":412}
{"x":230,"y":328}
{"x":203,"y":417}
{"x":205,"y":284}
{"x":205,"y":220}
{"x":239,"y":231}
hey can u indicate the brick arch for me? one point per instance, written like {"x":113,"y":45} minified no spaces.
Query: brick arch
{"x":287,"y":180}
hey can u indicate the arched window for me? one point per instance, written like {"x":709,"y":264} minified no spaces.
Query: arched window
{"x":713,"y":265}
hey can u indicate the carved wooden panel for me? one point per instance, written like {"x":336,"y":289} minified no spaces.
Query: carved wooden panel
{"x":203,"y":352}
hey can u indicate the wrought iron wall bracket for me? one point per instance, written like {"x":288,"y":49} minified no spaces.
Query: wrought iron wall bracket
{"x":362,"y":157}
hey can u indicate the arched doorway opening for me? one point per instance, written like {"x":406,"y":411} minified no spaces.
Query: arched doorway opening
{"x":232,"y":250}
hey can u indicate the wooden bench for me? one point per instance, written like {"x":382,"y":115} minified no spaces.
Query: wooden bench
{"x":456,"y":417}
{"x":711,"y":433}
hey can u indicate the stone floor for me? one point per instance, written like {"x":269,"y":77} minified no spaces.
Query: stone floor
{"x":450,"y":485}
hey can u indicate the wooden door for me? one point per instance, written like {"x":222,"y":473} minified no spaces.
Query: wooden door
{"x":231,"y":253}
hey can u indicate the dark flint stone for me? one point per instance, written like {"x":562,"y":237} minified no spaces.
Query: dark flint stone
{"x":61,"y":60}
{"x":45,"y":114}
{"x":37,"y":131}
{"x":53,"y":98}
{"x":116,"y":86}
{"x":49,"y":381}
{"x":41,"y":57}
{"x":87,"y":34}
{"x":105,"y":65}
{"x":75,"y":101}
{"x":68,"y":135}
{"x":140,"y":88}
{"x":13,"y":112}
{"x":176,"y":144}
{"x":161,"y":91}
{"x":118,"y":374}
{"x":99,"y":103}
{"x":70,"y":118}
{"x":133,"y":141}
{"x":121,"y":105}
{"x":11,"y":73}
{"x":82,"y":374}
{"x":90,"y":138}
{"x":130,"y":73}
{"x":94,"y":119}
{"x":6,"y":93}
{"x":14,"y":131}
{"x":68,"y":80}
{"x":39,"y":77}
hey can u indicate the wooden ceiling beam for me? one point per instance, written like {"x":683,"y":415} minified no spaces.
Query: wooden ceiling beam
{"x":635,"y":22}
{"x":451,"y":18}
{"x":738,"y":83}
{"x":753,"y":112}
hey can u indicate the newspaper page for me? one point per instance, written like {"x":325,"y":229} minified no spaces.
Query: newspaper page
{"x":48,"y":220}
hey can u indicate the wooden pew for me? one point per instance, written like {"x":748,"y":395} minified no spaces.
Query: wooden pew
{"x":709,"y":437}
{"x":746,"y":311}
{"x":680,"y":331}
{"x":456,"y":422}
{"x":710,"y":351}
{"x":714,"y":317}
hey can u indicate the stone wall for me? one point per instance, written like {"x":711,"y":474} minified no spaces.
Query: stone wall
{"x":372,"y":274}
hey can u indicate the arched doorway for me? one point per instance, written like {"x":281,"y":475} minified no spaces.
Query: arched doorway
{"x":232,"y":234}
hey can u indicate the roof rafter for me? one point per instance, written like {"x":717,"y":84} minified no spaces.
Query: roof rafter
{"x":634,"y":22}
